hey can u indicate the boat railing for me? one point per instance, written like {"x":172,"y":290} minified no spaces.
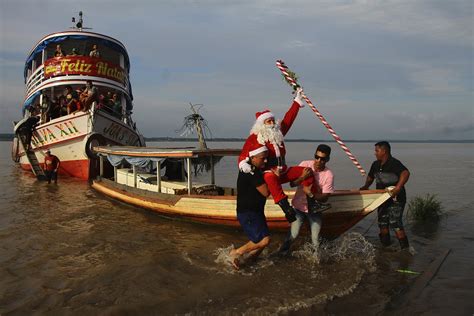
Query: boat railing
{"x":35,"y":80}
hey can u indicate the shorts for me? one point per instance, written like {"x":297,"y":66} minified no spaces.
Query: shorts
{"x":390,"y":215}
{"x":51,"y":175}
{"x":254,"y":225}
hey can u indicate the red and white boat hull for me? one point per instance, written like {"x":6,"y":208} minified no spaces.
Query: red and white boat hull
{"x":71,"y":137}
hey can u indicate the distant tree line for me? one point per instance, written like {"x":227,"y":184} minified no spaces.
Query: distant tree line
{"x":9,"y":137}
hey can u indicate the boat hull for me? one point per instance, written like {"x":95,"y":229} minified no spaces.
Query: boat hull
{"x":71,"y":138}
{"x":348,"y":207}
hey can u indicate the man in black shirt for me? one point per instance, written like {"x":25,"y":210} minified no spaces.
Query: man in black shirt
{"x":252,"y":193}
{"x":388,"y":171}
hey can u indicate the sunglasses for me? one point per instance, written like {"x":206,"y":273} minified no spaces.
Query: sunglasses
{"x":316,"y":157}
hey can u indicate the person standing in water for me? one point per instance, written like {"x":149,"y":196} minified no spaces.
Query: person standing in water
{"x":388,"y":171}
{"x":51,"y":167}
{"x":324,"y":178}
{"x":252,"y":193}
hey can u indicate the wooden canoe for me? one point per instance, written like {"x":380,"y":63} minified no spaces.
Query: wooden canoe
{"x":348,"y":207}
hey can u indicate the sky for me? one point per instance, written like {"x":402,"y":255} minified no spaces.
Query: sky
{"x":396,"y":70}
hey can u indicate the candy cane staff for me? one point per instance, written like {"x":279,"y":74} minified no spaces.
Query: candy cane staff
{"x":291,"y":79}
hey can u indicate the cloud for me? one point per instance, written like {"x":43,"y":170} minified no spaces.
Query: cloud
{"x":436,"y":80}
{"x":433,"y":124}
{"x":357,"y":60}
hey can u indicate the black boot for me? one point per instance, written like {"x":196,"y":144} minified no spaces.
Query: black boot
{"x":385,"y":239}
{"x":288,"y":210}
{"x":316,"y":207}
{"x":404,"y":243}
{"x":402,"y":238}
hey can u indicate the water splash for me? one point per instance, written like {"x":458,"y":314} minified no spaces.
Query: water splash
{"x":224,"y":259}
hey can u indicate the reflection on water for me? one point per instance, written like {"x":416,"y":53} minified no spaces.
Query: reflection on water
{"x":67,"y":249}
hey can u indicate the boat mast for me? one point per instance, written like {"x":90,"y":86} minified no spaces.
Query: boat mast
{"x":80,"y":24}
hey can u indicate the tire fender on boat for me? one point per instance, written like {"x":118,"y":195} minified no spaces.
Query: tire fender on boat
{"x":92,"y":141}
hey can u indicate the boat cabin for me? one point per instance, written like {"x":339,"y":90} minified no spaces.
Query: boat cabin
{"x":132,"y":167}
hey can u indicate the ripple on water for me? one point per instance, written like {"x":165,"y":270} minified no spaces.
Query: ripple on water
{"x":316,"y":276}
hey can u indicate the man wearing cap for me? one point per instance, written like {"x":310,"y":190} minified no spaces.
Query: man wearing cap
{"x":51,"y":166}
{"x":270,"y":133}
{"x":252,"y":193}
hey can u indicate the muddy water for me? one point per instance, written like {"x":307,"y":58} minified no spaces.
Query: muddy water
{"x":66,"y":249}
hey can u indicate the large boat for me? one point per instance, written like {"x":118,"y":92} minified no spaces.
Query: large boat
{"x":71,"y":118}
{"x":209,"y":202}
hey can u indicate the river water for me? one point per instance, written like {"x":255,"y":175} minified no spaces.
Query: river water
{"x":65,"y":249}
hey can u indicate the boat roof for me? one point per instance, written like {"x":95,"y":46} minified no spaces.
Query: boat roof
{"x":59,"y":37}
{"x":164,"y":152}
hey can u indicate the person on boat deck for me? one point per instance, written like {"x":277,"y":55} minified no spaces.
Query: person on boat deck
{"x":109,"y":103}
{"x":27,"y":129}
{"x":63,"y":105}
{"x":116,"y":106}
{"x":55,"y":111}
{"x":252,"y":193}
{"x":73,"y":52}
{"x":94,"y":52}
{"x":269,"y":133}
{"x":59,"y":52}
{"x":388,"y":171}
{"x":89,"y":95}
{"x":51,"y":166}
{"x":45,"y":109}
{"x":324,"y":177}
{"x":73,"y":104}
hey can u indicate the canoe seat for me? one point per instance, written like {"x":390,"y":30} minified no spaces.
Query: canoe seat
{"x":148,"y":181}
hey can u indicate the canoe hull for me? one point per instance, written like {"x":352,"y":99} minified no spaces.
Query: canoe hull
{"x":348,"y":207}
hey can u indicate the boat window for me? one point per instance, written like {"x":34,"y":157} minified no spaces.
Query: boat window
{"x":60,"y":101}
{"x":83,"y":48}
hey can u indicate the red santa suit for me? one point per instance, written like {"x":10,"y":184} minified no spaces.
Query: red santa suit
{"x":276,"y":155}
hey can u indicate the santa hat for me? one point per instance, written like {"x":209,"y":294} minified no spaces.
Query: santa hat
{"x":262,"y":116}
{"x":256,"y":148}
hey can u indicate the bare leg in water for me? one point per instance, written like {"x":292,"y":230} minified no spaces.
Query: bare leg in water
{"x":253,"y":249}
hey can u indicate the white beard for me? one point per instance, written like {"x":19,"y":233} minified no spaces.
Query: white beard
{"x":268,"y":133}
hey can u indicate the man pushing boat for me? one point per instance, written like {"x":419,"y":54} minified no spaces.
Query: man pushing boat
{"x":266,"y":131}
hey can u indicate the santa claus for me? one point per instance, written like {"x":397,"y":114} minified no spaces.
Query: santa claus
{"x":266,"y":131}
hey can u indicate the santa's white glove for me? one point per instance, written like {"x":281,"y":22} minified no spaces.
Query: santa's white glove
{"x":299,"y":97}
{"x":245,"y":167}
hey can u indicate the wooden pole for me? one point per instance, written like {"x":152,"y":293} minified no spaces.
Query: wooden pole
{"x":158,"y":175}
{"x":188,"y":165}
{"x":213,"y":176}
{"x":134,"y":168}
{"x":101,"y":166}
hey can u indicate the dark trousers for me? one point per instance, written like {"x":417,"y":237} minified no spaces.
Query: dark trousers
{"x":51,"y":175}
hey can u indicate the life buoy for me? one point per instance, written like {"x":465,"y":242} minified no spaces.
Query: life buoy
{"x":16,"y":149}
{"x":93,"y":141}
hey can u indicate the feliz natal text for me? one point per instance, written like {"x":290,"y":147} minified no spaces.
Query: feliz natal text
{"x":82,"y":66}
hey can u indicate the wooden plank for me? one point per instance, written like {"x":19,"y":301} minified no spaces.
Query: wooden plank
{"x":157,"y":152}
{"x":423,"y":280}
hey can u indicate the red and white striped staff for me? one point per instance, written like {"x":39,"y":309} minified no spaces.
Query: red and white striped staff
{"x":291,"y":79}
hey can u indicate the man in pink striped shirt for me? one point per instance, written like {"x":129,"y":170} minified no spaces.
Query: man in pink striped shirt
{"x":324,"y":177}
